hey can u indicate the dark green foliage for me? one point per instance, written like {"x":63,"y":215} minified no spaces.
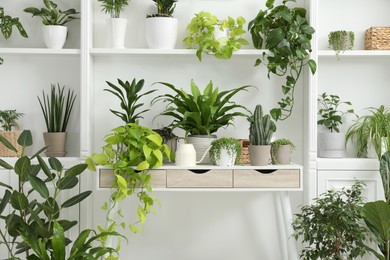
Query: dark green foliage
{"x":8,"y":119}
{"x":114,"y":7}
{"x":165,"y":8}
{"x":261,"y":128}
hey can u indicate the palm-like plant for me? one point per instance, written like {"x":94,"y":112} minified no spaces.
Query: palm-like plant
{"x":128,"y":95}
{"x":165,"y":8}
{"x":8,"y":119}
{"x":57,"y":108}
{"x":201,"y":113}
{"x":113,"y":7}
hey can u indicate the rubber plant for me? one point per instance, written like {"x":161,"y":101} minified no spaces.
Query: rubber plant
{"x":286,"y":34}
{"x":131,"y":151}
{"x":33,"y":225}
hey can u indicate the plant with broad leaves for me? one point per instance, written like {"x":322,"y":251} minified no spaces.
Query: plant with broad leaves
{"x":286,"y":33}
{"x":131,"y":151}
{"x":8,"y":119}
{"x":113,"y":7}
{"x":34,"y":223}
{"x":330,"y":112}
{"x":165,"y":8}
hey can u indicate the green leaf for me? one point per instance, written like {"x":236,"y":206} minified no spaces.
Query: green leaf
{"x":76,"y":199}
{"x":122,"y":184}
{"x":44,"y":167}
{"x":7,"y":144}
{"x":67,"y":183}
{"x":55,"y":164}
{"x":22,"y":165}
{"x":19,"y":201}
{"x":58,"y":241}
{"x":5,"y":200}
{"x":275,"y":37}
{"x":5,"y":165}
{"x":39,"y":186}
{"x":313,"y":66}
{"x":378,"y":215}
{"x":25,"y":139}
{"x":155,"y":138}
{"x":144,"y":165}
{"x":134,"y":229}
{"x":75,"y":170}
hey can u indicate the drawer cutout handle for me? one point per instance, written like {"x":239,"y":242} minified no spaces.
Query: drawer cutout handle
{"x":199,"y":171}
{"x":265,"y":171}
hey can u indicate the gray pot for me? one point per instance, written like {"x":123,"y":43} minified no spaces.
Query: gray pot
{"x":281,"y":154}
{"x":260,"y":155}
{"x":201,"y":144}
{"x":56,"y":143}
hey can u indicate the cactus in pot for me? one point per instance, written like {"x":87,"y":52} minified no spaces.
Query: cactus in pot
{"x":261,"y":130}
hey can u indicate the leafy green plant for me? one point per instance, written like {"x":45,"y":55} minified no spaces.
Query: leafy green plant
{"x":341,"y":41}
{"x":286,"y":33}
{"x":332,"y":227}
{"x":131,"y":151}
{"x":202,"y":35}
{"x":129,"y":97}
{"x":51,"y":15}
{"x":165,"y":8}
{"x":114,"y":7}
{"x":232,"y":146}
{"x":330,"y":113}
{"x":261,"y":127}
{"x":7,"y":23}
{"x":8,"y":119}
{"x":57,"y":108}
{"x":201,"y":113}
{"x":35,"y":224}
{"x":374,"y":127}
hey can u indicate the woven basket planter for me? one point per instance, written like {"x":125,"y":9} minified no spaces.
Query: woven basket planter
{"x":244,"y":159}
{"x":12,"y":137}
{"x":377,"y":38}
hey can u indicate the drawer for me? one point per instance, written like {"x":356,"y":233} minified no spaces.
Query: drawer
{"x":159,"y":178}
{"x":199,"y":178}
{"x":267,"y":178}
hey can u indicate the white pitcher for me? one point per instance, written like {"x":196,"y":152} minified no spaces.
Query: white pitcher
{"x":186,"y":155}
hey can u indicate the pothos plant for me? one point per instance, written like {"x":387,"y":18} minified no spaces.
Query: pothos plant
{"x":34,"y":225}
{"x":131,"y":151}
{"x":202,"y":35}
{"x":286,"y":34}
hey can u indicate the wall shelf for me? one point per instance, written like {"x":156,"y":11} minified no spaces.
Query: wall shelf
{"x":355,"y":53}
{"x":40,"y":51}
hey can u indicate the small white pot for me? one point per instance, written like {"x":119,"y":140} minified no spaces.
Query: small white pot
{"x":117,"y":32}
{"x":331,"y":145}
{"x":226,"y":159}
{"x":161,"y":32}
{"x":54,"y":36}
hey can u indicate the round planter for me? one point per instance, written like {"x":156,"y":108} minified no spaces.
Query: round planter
{"x":343,"y":43}
{"x":226,"y":159}
{"x":54,"y":36}
{"x":281,"y":154}
{"x":56,"y":143}
{"x":117,"y":32}
{"x":331,"y":145}
{"x":201,"y":144}
{"x":260,"y":155}
{"x":161,"y":32}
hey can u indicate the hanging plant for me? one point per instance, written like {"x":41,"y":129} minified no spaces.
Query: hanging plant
{"x":341,"y":41}
{"x":286,"y":33}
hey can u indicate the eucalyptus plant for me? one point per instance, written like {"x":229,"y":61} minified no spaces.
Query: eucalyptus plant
{"x":165,"y":8}
{"x":200,"y":113}
{"x":8,"y":119}
{"x":286,"y":34}
{"x":202,"y":29}
{"x":330,"y":112}
{"x":57,"y":108}
{"x":51,"y":15}
{"x":129,"y":96}
{"x":34,"y":225}
{"x":113,"y":7}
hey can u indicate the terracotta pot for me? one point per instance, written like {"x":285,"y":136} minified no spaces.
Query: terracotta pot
{"x":56,"y":143}
{"x":260,"y":155}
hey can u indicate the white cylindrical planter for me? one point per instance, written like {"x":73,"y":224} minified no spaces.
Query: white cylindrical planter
{"x":201,"y":144}
{"x":226,"y":159}
{"x":54,"y":36}
{"x":260,"y":155}
{"x":161,"y":32}
{"x":331,"y":145}
{"x":117,"y":32}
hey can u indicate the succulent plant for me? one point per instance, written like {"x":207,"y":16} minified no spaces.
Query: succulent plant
{"x":262,"y":127}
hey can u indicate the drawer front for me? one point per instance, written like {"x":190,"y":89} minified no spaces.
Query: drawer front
{"x":266,"y":179}
{"x":199,"y":178}
{"x":159,"y":178}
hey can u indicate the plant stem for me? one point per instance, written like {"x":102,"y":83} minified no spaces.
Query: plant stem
{"x":6,"y":244}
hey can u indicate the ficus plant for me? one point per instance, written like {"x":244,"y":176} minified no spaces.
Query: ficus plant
{"x":286,"y":34}
{"x":131,"y":151}
{"x":34,"y":226}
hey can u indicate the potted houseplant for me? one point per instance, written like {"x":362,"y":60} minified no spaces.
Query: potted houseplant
{"x":7,"y":23}
{"x":54,"y":30}
{"x":8,"y":120}
{"x":129,"y":96}
{"x":201,"y":114}
{"x":287,"y":38}
{"x":370,"y":134}
{"x":331,"y":142}
{"x":116,"y":24}
{"x":261,"y":130}
{"x":169,"y":138}
{"x":56,"y":108}
{"x":161,"y":27}
{"x":281,"y":150}
{"x":225,"y":151}
{"x":131,"y":151}
{"x":213,"y":36}
{"x":341,"y":41}
{"x":34,"y":226}
{"x":332,"y":226}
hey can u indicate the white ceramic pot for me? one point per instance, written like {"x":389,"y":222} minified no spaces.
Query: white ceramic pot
{"x":201,"y":144}
{"x":331,"y":145}
{"x":226,"y":159}
{"x":117,"y":32}
{"x":161,"y":32}
{"x":260,"y":155}
{"x":54,"y":36}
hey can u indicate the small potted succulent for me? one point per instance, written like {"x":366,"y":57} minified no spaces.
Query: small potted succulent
{"x":225,"y":151}
{"x":281,"y":150}
{"x":54,"y":30}
{"x":341,"y":41}
{"x":161,"y":27}
{"x":8,"y":121}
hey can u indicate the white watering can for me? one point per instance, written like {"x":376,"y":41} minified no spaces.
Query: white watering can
{"x":186,"y":155}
